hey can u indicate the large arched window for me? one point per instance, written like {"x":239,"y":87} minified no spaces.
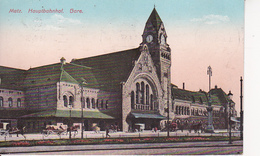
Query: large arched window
{"x":1,"y":101}
{"x":10,"y":102}
{"x":18,"y":102}
{"x":142,"y":93}
{"x":65,"y":101}
{"x":88,"y":102}
{"x":137,"y":92}
{"x":93,"y":103}
{"x":71,"y":101}
{"x":147,"y":95}
{"x":132,"y":100}
{"x":152,"y":103}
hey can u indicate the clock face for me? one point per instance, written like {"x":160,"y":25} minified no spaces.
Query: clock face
{"x":162,"y":40}
{"x":149,"y":38}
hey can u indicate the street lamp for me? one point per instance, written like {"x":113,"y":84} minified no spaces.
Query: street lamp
{"x":230,"y":95}
{"x":210,"y":128}
{"x":70,"y":107}
{"x":82,"y":104}
{"x":241,"y":110}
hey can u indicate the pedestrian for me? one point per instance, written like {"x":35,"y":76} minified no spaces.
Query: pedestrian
{"x":107,"y":133}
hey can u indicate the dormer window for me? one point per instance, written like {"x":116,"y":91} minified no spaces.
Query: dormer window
{"x":193,"y":99}
{"x":201,"y":100}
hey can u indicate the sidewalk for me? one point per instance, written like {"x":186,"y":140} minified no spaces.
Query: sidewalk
{"x":102,"y":134}
{"x":36,"y":149}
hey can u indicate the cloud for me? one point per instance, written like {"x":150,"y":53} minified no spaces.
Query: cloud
{"x":55,"y":22}
{"x":63,"y":20}
{"x":211,"y":19}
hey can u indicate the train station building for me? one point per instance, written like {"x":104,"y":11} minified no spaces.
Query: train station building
{"x":124,"y":88}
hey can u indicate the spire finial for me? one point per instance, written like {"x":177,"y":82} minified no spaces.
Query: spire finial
{"x":154,"y":6}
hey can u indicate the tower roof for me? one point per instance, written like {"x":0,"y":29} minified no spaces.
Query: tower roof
{"x":154,"y":19}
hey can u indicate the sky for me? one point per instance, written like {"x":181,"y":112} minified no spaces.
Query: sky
{"x":200,"y":33}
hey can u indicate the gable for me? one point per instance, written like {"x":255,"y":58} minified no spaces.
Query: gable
{"x":144,"y":69}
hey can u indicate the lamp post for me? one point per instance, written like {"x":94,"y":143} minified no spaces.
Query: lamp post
{"x":241,"y":110}
{"x":210,"y":128}
{"x":230,"y":95}
{"x":70,"y":107}
{"x":82,"y":103}
{"x":168,"y":107}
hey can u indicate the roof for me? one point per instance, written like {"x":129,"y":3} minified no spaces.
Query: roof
{"x":147,"y":116}
{"x":155,"y":20}
{"x":12,"y":113}
{"x":194,"y":96}
{"x":111,"y":69}
{"x":51,"y":74}
{"x":66,"y":113}
{"x":181,"y":94}
{"x":12,"y":78}
{"x":222,"y":96}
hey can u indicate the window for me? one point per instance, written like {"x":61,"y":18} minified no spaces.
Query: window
{"x":93,"y":103}
{"x":193,"y":99}
{"x":97,"y":103}
{"x":71,"y":101}
{"x":106,"y":104}
{"x":132,"y":100}
{"x":177,"y":110}
{"x":151,"y":101}
{"x":65,"y":101}
{"x":184,"y":111}
{"x":137,"y":92}
{"x":147,"y":95}
{"x":88,"y":102}
{"x":10,"y":102}
{"x":142,"y":93}
{"x":1,"y":101}
{"x":102,"y":104}
{"x":18,"y":102}
{"x":201,"y":100}
{"x":188,"y":111}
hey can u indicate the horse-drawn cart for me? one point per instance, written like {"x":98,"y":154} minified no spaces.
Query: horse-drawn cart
{"x":7,"y":130}
{"x":59,"y":130}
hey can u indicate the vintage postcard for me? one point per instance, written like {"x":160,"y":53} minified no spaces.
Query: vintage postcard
{"x":121,"y":77}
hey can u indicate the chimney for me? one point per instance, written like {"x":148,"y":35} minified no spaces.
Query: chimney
{"x":183,"y":86}
{"x":63,"y":60}
{"x":216,"y":86}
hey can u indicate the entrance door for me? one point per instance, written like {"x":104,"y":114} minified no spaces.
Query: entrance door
{"x":86,"y":125}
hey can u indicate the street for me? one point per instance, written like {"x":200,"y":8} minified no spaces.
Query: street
{"x":195,"y":148}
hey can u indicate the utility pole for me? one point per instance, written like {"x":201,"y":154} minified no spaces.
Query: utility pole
{"x":241,"y":108}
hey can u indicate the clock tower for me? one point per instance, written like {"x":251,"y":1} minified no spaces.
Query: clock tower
{"x":155,"y":37}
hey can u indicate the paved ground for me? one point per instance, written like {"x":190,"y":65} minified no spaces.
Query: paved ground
{"x":102,"y":134}
{"x":205,"y":147}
